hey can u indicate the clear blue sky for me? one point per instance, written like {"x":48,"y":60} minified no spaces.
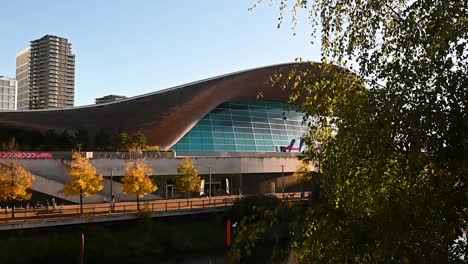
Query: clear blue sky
{"x":131,"y":47}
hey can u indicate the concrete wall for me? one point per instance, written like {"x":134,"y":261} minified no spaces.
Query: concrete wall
{"x":255,"y":174}
{"x":219,"y":165}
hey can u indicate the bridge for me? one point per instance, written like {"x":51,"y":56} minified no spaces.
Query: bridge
{"x":63,"y":215}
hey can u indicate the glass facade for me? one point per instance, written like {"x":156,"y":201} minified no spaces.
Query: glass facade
{"x":247,"y":126}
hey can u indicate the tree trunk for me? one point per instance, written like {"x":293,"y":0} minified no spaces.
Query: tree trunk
{"x":138,"y":203}
{"x":81,"y":202}
{"x":187,"y":195}
{"x":12,"y":211}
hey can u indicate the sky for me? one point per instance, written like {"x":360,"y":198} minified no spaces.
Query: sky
{"x":132,"y":47}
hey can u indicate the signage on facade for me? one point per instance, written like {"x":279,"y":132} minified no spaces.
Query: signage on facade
{"x":292,"y":148}
{"x":26,"y":155}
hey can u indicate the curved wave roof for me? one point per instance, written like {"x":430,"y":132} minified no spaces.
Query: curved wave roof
{"x":166,"y":115}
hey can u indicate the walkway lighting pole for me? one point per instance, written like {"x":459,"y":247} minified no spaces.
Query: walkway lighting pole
{"x":282,"y":179}
{"x":209,"y":169}
{"x":112,"y":176}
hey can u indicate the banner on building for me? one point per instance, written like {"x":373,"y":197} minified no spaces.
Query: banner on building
{"x":26,"y":155}
{"x":227,"y":186}
{"x":202,"y":187}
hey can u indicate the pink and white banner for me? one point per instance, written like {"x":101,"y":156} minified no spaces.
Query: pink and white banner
{"x":26,"y":155}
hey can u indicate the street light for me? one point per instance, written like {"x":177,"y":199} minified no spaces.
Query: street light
{"x":112,"y":176}
{"x":282,"y":179}
{"x":209,"y":170}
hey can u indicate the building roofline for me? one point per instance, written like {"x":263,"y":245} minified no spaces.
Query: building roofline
{"x":168,"y":89}
{"x":23,"y":51}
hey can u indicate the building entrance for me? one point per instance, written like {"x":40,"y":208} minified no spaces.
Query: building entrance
{"x":216,"y":188}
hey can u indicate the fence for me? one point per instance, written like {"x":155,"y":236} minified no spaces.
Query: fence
{"x":55,"y":213}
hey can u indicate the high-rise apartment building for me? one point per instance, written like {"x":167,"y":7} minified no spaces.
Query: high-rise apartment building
{"x":8,"y":90}
{"x":51,"y":81}
{"x":22,"y":77}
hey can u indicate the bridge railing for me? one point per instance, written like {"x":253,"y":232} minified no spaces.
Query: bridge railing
{"x":57,"y":213}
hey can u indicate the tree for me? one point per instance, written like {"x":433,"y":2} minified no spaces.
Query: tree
{"x":122,"y":140}
{"x":188,"y":180}
{"x":15,"y":180}
{"x":394,"y":175}
{"x":136,"y":180}
{"x":84,"y":180}
{"x":138,"y":141}
{"x":306,"y":177}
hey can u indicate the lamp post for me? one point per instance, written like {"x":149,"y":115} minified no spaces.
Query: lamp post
{"x":282,"y":179}
{"x":209,"y":172}
{"x":112,"y":176}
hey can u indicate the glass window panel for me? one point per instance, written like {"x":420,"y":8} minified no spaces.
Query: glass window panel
{"x":240,"y":112}
{"x":246,"y":148}
{"x":257,"y":113}
{"x":242,"y":118}
{"x":263,"y":142}
{"x":265,"y":137}
{"x":228,"y":135}
{"x":261,"y":131}
{"x":260,"y":125}
{"x":218,"y":128}
{"x":275,"y":115}
{"x":183,"y":148}
{"x":245,"y":141}
{"x":274,"y":126}
{"x":205,"y":128}
{"x":245,"y":136}
{"x":195,"y":140}
{"x":229,"y":141}
{"x":276,"y":132}
{"x":221,"y":123}
{"x":208,"y":147}
{"x":218,"y":141}
{"x":294,"y":128}
{"x":230,"y":147}
{"x":243,"y":130}
{"x":196,"y":147}
{"x":205,"y":122}
{"x":276,"y":121}
{"x":207,"y":140}
{"x":220,"y":148}
{"x":242,"y":124}
{"x":218,"y":135}
{"x":260,"y":119}
{"x":291,"y":122}
{"x":220,"y":117}
{"x":195,"y":134}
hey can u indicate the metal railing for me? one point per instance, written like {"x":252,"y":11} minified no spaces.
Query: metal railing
{"x":68,"y":212}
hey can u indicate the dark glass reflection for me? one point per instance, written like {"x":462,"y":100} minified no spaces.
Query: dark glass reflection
{"x":247,"y":126}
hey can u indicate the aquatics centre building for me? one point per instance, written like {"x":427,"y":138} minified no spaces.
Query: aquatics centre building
{"x":244,"y":141}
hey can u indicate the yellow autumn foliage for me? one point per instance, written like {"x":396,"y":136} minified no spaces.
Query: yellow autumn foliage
{"x":136,"y":179}
{"x":83,"y":177}
{"x":188,"y":181}
{"x":303,"y":173}
{"x":15,"y":183}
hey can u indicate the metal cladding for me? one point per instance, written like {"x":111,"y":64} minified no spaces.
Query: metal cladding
{"x":163,"y":116}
